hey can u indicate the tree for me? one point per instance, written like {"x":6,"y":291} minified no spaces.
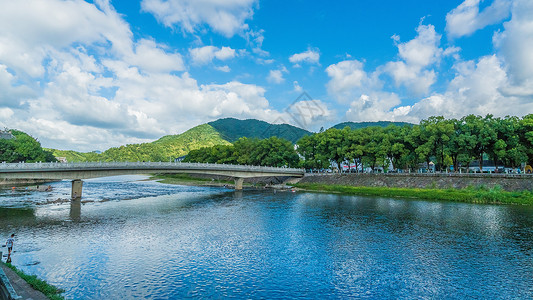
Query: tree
{"x":23,"y":148}
{"x":436,"y":133}
{"x":480,"y":136}
{"x":525,"y":135}
{"x":395,"y":146}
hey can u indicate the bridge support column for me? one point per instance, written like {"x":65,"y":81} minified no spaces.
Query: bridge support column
{"x":77,"y":186}
{"x":238,"y":183}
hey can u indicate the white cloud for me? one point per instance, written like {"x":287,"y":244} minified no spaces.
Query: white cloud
{"x":11,"y":93}
{"x":276,"y":76}
{"x":227,"y":17}
{"x":225,"y":69}
{"x":417,"y":56}
{"x":516,"y":43}
{"x":466,"y":18}
{"x":85,"y":84}
{"x":30,"y":28}
{"x":372,"y":107}
{"x":308,"y":114}
{"x":478,"y":88}
{"x":297,"y":87}
{"x":152,"y":57}
{"x":345,"y":77}
{"x":311,"y":56}
{"x":206,"y":54}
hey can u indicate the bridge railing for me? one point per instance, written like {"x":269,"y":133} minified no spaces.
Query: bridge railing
{"x":142,"y":165}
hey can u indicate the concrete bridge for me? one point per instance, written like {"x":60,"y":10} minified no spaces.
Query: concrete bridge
{"x":78,"y":171}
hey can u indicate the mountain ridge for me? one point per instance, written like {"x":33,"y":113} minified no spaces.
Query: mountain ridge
{"x":219,"y":132}
{"x":232,"y":129}
{"x":359,"y":125}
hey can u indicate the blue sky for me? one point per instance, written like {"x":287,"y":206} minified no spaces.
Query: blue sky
{"x":91,"y":75}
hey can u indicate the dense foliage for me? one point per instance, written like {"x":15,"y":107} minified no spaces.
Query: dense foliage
{"x":360,"y":125}
{"x":166,"y":148}
{"x":273,"y":152}
{"x":446,"y":142}
{"x":23,"y":148}
{"x":506,"y":141}
{"x":233,"y":129}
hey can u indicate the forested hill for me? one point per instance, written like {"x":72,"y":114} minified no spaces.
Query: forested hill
{"x":164,"y":149}
{"x":220,"y":132}
{"x":358,"y":125}
{"x":232,"y":129}
{"x":17,"y":146}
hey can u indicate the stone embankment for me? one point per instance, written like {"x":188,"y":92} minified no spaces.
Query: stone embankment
{"x":416,"y":180}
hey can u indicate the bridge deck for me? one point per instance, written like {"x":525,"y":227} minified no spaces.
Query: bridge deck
{"x":100,"y":169}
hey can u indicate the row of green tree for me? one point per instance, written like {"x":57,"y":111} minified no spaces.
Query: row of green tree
{"x":447,"y":142}
{"x":273,"y":152}
{"x":22,"y":147}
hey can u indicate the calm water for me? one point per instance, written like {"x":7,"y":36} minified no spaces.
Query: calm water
{"x":142,"y":239}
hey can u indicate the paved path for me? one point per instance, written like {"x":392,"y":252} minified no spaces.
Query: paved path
{"x":22,"y":288}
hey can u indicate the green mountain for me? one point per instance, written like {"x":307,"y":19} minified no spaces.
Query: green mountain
{"x":219,"y":132}
{"x":232,"y":129}
{"x":164,"y":149}
{"x":358,"y":125}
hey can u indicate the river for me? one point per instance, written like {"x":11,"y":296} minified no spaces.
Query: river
{"x":133,"y":238}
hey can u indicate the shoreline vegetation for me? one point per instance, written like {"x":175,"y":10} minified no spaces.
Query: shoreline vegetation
{"x":50,"y":291}
{"x":478,"y":195}
{"x":186,"y":179}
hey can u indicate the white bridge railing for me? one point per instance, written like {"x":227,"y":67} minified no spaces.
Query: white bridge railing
{"x":13,"y":167}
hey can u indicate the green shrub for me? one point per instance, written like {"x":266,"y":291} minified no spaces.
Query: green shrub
{"x":48,"y":290}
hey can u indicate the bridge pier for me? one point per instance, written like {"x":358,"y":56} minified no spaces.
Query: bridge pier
{"x":77,"y":186}
{"x":238,"y":183}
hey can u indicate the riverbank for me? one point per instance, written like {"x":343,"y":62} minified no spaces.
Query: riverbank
{"x":29,"y":286}
{"x":185,"y":179}
{"x":471,"y":188}
{"x":494,"y":195}
{"x":440,"y":181}
{"x":216,"y":180}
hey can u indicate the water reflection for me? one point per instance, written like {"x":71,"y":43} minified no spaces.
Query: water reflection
{"x":144,"y":239}
{"x":75,"y":209}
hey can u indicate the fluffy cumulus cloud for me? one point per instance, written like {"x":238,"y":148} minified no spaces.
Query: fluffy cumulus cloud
{"x":417,"y":56}
{"x":345,"y":77}
{"x":150,"y":56}
{"x":206,"y":54}
{"x":311,"y":56}
{"x":85,"y":83}
{"x":276,"y":76}
{"x":366,"y":91}
{"x":308,"y":113}
{"x":30,"y":28}
{"x":499,"y":84}
{"x":226,"y":17}
{"x":467,"y":19}
{"x":374,"y":106}
{"x":349,"y":83}
{"x":516,"y":43}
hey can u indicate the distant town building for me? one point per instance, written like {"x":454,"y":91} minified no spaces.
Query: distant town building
{"x":6,"y":134}
{"x":62,"y":159}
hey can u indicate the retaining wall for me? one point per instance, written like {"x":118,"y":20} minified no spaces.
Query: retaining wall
{"x":438,"y":181}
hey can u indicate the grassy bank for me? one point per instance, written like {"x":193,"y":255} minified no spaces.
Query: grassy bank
{"x":185,"y":179}
{"x":48,"y":290}
{"x":472,"y":195}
